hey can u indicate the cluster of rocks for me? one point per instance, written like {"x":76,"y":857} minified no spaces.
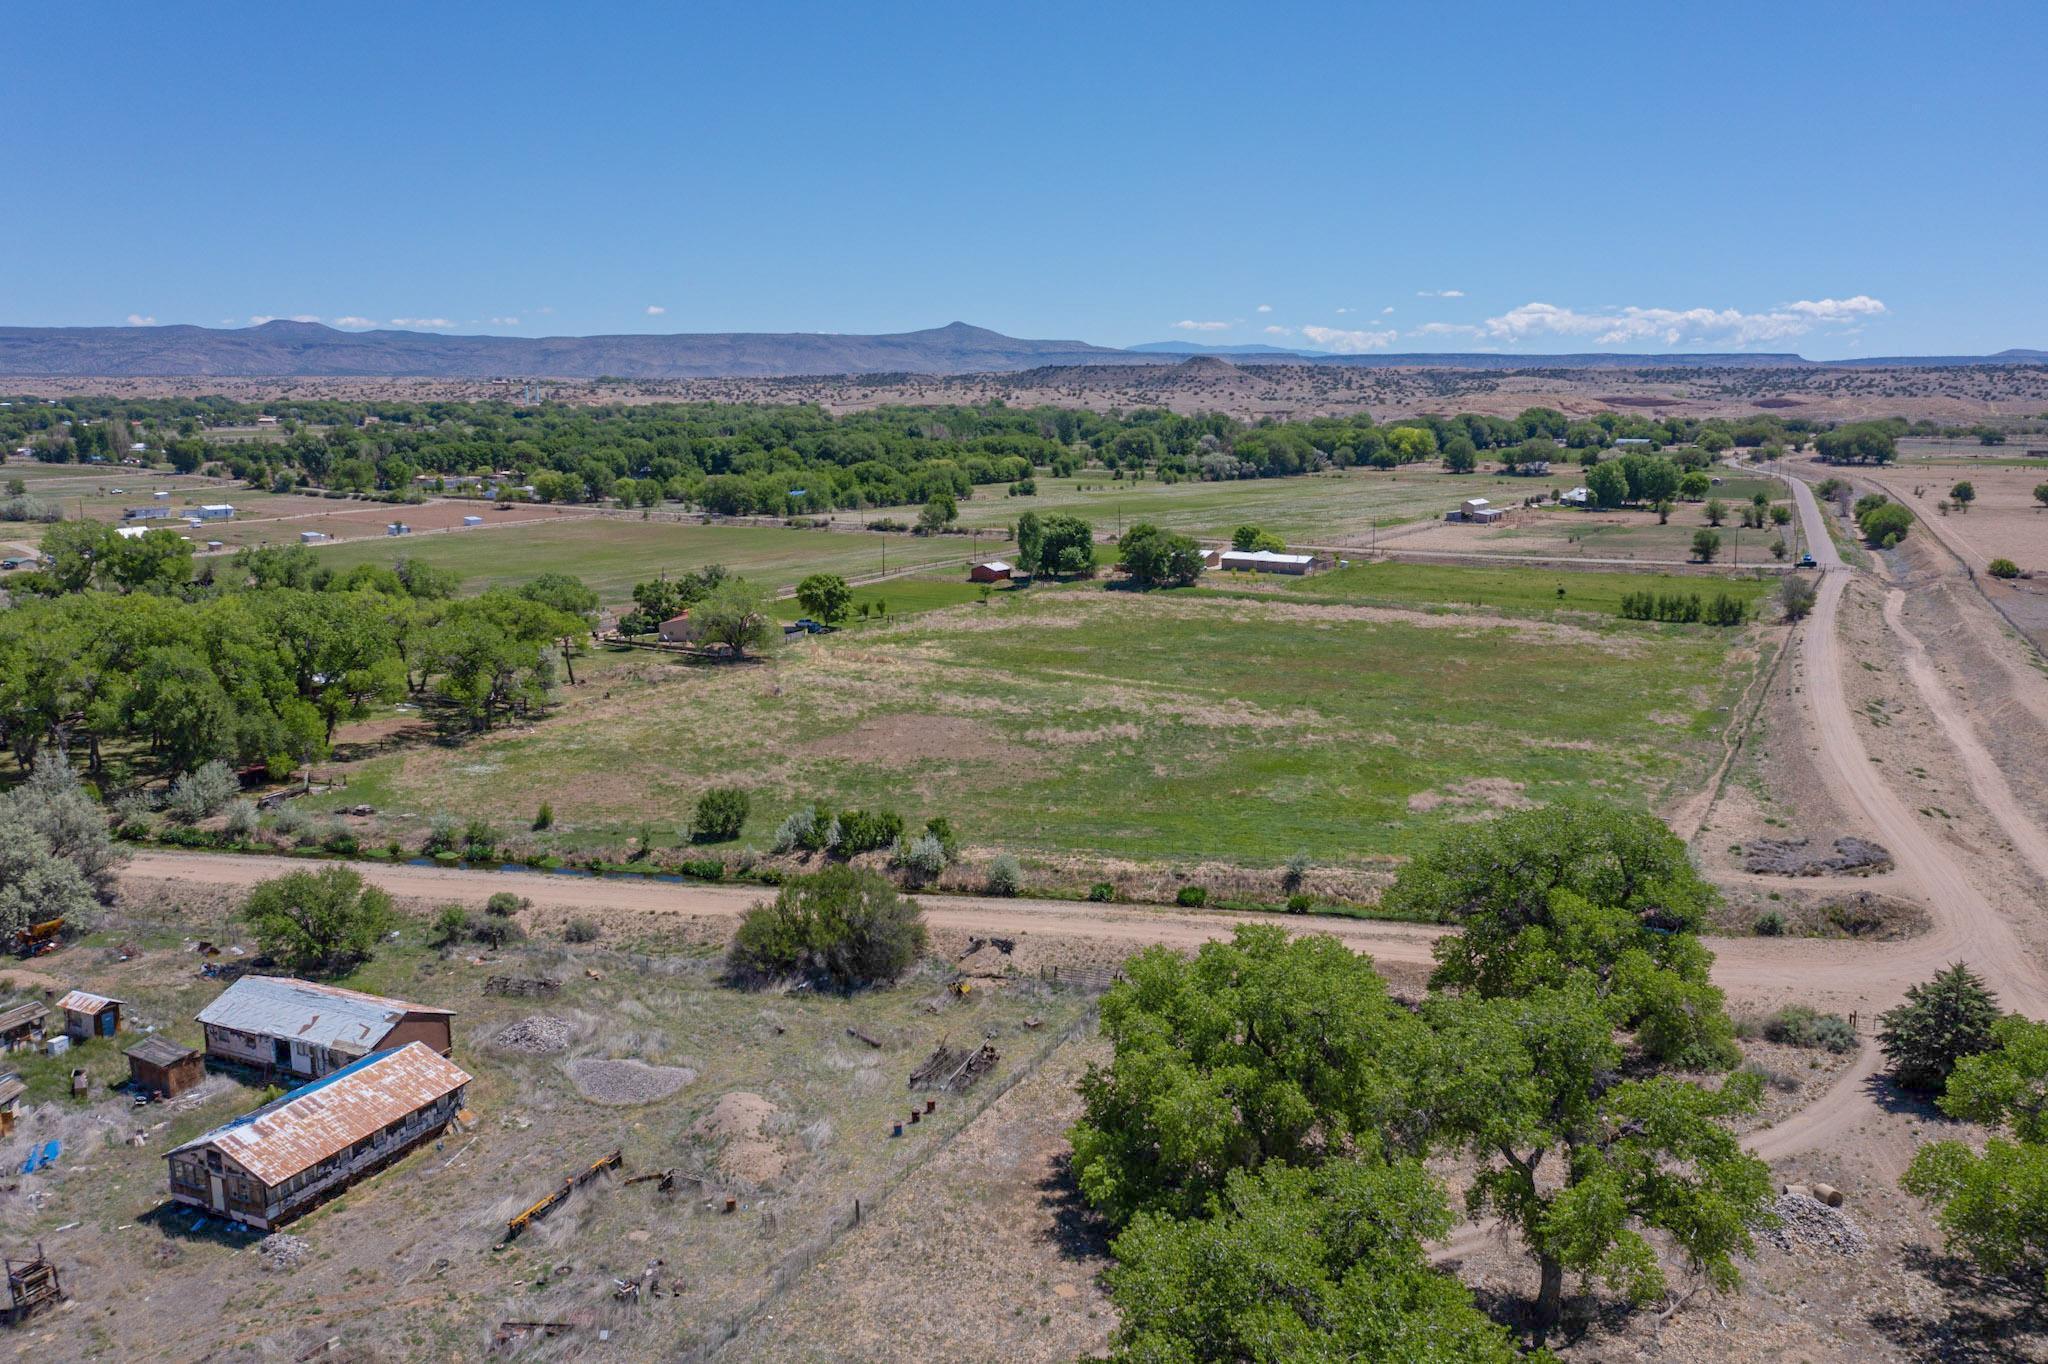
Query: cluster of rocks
{"x":627,"y":1081}
{"x":536,"y":1035}
{"x":284,"y":1252}
{"x":1792,"y":857}
{"x":1804,"y":1220}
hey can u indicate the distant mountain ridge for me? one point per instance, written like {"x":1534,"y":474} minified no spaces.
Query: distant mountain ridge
{"x":283,"y":349}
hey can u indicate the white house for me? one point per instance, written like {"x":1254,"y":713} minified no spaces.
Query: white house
{"x":1577,"y":497}
{"x":214,"y":511}
{"x":1265,"y":561}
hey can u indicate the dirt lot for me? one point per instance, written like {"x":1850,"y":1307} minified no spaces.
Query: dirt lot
{"x":2004,"y":522}
{"x":365,"y":520}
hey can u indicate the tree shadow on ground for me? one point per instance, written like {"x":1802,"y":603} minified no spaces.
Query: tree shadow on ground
{"x":1078,"y":1231}
{"x":1987,"y":1317}
{"x":1903,"y":1103}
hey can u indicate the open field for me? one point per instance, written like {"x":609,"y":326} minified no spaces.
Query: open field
{"x":611,"y":553}
{"x":2004,"y":522}
{"x":1086,"y":722}
{"x":1514,"y":590}
{"x":272,"y":524}
{"x":402,"y":1265}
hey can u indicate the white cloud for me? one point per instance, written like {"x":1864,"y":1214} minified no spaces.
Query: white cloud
{"x":1349,"y":343}
{"x":1279,"y":331}
{"x":138,"y":320}
{"x":354,"y":322}
{"x":1439,"y":293}
{"x":504,"y":322}
{"x":1190,"y":325}
{"x":1342,"y":311}
{"x":260,"y":318}
{"x":1445,"y":329}
{"x":421,"y":322}
{"x":1265,"y":307}
{"x":655,"y":310}
{"x":546,"y":309}
{"x":1673,"y":326}
{"x":1387,"y":311}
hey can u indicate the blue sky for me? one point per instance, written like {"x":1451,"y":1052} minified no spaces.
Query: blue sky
{"x":1852,"y":179}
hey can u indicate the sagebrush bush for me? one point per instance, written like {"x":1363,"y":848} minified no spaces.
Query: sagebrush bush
{"x":242,"y":820}
{"x":922,"y":858}
{"x":796,"y":831}
{"x":580,"y":930}
{"x":201,"y":792}
{"x":1005,"y":877}
{"x":1770,"y":924}
{"x":1796,"y":1025}
{"x":289,"y":820}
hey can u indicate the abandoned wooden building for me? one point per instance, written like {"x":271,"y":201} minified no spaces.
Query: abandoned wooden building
{"x":12,"y":1087}
{"x":164,"y":1068}
{"x":269,"y":1166}
{"x":21,"y":1025}
{"x":299,"y":1028}
{"x":89,"y":1015}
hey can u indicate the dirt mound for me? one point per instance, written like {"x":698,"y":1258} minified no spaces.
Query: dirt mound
{"x":626,"y":1082}
{"x":1808,"y":1222}
{"x":1480,"y":793}
{"x":536,"y":1035}
{"x":1791,"y":857}
{"x":749,"y":1152}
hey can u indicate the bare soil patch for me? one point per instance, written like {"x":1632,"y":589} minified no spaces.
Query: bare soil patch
{"x":626,"y":1081}
{"x":741,"y":1125}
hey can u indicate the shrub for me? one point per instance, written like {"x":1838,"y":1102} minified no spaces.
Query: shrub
{"x":1295,"y":874}
{"x":544,"y":818}
{"x":479,"y":841}
{"x":1796,"y":1025}
{"x":580,"y":930}
{"x":242,"y":820}
{"x":505,"y":904}
{"x":922,"y":858}
{"x":866,"y":830}
{"x":1102,"y":892}
{"x":201,"y":792}
{"x":721,"y":813}
{"x":341,"y":841}
{"x":1796,"y":596}
{"x":1770,"y":924}
{"x":442,"y":836}
{"x":1005,"y":877}
{"x":289,"y":819}
{"x":2004,"y":568}
{"x":1192,"y":897}
{"x":497,"y":932}
{"x":1298,"y":903}
{"x":846,"y":927}
{"x":941,"y":828}
{"x":451,"y":926}
{"x":703,"y":868}
{"x":796,"y":831}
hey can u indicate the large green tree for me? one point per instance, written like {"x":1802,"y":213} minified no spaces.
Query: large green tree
{"x":1942,"y":1021}
{"x":1262,"y":1048}
{"x":1299,"y":1265}
{"x":1581,"y":1163}
{"x":1152,"y":557}
{"x":315,"y":921}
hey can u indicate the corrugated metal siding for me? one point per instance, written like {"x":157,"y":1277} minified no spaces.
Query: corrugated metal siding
{"x":331,"y":1114}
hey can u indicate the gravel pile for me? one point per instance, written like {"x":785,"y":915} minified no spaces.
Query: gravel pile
{"x":626,"y":1082}
{"x":284,"y":1252}
{"x":1808,"y":1222}
{"x":537,"y":1035}
{"x":1793,"y":857}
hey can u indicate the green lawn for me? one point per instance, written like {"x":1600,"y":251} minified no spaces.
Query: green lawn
{"x":1189,"y":725}
{"x":613,"y":553}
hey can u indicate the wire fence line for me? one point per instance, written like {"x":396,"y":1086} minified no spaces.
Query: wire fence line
{"x":790,"y":1270}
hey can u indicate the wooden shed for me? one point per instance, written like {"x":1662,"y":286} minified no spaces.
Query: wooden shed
{"x":164,"y":1068}
{"x":12,"y":1087}
{"x":993,"y":571}
{"x":21,"y":1025}
{"x":89,"y":1015}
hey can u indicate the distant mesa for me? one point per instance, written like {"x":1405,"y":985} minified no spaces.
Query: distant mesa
{"x":309,"y":350}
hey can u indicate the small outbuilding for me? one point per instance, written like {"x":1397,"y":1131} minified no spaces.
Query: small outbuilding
{"x":214,"y":511}
{"x":994,"y":571}
{"x":472,"y":520}
{"x":21,"y":1025}
{"x":12,"y":1087}
{"x":164,"y":1068}
{"x":90,"y":1015}
{"x":1478,"y":510}
{"x":1265,"y":561}
{"x":1576,"y":497}
{"x":676,"y":630}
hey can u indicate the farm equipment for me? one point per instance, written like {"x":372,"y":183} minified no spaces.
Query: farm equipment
{"x":37,"y":939}
{"x":559,"y":1196}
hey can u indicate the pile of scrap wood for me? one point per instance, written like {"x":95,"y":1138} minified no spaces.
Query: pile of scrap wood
{"x":948,"y":1069}
{"x":521,"y":985}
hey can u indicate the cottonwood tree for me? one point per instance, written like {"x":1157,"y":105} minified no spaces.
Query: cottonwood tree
{"x":1994,"y":1203}
{"x":1152,"y":557}
{"x":1580,"y":1162}
{"x":1264,"y":1048}
{"x":1299,"y":1264}
{"x":825,"y":597}
{"x":735,"y":615}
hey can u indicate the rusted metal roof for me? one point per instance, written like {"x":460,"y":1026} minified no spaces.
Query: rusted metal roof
{"x":160,"y":1051}
{"x":22,"y":1015}
{"x":319,"y":1015}
{"x":84,"y":1002}
{"x":333,"y":1113}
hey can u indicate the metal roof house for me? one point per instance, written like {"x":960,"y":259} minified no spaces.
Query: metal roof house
{"x":990,"y":571}
{"x":214,"y":511}
{"x":271,"y":1165}
{"x":304,"y":1029}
